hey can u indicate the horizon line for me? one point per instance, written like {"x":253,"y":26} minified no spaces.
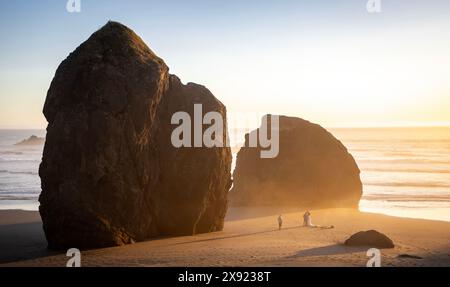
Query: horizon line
{"x":443,"y":125}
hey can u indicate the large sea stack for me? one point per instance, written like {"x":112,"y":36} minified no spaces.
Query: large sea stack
{"x":109,"y":173}
{"x":312,"y":169}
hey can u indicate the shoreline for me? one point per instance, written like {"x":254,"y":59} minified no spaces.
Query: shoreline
{"x":250,"y":238}
{"x":33,"y":206}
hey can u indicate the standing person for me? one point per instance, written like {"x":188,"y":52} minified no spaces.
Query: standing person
{"x":307,"y":219}
{"x":280,"y":222}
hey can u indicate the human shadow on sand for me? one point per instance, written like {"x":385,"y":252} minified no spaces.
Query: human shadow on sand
{"x":334,"y":249}
{"x":238,"y":235}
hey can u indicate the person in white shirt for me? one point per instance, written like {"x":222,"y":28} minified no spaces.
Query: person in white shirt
{"x":307,"y":219}
{"x":307,"y":222}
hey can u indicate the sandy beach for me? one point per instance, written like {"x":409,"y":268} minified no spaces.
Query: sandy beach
{"x":250,"y":238}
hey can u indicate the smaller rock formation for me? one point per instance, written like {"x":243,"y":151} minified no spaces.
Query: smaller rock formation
{"x":312,"y":169}
{"x":33,"y":140}
{"x":371,"y":238}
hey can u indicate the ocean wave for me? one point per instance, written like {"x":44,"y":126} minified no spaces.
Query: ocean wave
{"x":408,"y":184}
{"x":403,"y":161}
{"x":11,"y":152}
{"x":21,"y":191}
{"x":19,"y":172}
{"x":406,"y":170}
{"x":13,"y":197}
{"x":16,"y":160}
{"x":406,"y":197}
{"x":398,"y":142}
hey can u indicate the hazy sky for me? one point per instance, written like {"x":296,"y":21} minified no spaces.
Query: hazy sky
{"x":330,"y":62}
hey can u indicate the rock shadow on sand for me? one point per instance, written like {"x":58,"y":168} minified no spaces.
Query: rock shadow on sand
{"x":23,"y":241}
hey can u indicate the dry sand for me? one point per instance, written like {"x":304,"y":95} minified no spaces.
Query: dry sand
{"x":250,"y":238}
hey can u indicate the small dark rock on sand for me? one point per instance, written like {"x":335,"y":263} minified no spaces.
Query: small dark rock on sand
{"x":370,"y":238}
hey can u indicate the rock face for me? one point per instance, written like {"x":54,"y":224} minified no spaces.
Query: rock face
{"x":312,"y":169}
{"x":109,"y":173}
{"x":33,"y":140}
{"x":371,"y":238}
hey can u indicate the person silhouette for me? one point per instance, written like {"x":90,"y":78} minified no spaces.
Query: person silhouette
{"x":307,"y":219}
{"x":280,"y":222}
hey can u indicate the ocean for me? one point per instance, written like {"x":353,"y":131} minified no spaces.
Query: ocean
{"x":20,"y":184}
{"x":405,"y":171}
